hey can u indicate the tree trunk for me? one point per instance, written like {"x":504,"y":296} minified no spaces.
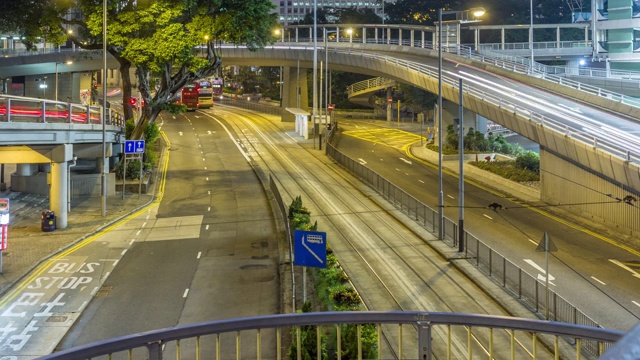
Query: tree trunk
{"x":125,"y":67}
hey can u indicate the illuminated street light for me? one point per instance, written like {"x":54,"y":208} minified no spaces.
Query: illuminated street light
{"x":350,"y":32}
{"x":476,"y":12}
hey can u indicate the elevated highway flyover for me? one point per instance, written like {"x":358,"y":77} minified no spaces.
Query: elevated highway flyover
{"x":54,"y":134}
{"x":589,"y":138}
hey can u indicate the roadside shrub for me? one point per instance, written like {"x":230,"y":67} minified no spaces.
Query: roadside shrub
{"x":529,"y":160}
{"x":508,"y":170}
{"x":133,"y":170}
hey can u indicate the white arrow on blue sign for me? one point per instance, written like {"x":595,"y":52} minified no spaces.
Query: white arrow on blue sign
{"x":134,"y":146}
{"x":310,"y":248}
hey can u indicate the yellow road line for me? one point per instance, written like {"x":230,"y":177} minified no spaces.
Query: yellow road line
{"x":44,"y":266}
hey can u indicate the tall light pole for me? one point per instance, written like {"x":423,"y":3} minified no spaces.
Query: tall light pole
{"x":477,"y":12}
{"x":315,"y":69}
{"x":58,"y":63}
{"x":105,"y":164}
{"x":531,"y":33}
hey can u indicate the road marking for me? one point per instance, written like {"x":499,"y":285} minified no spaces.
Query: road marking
{"x":598,"y":280}
{"x":186,"y":291}
{"x":405,"y":160}
{"x":106,"y":275}
{"x":381,"y":159}
{"x":123,"y":251}
{"x":147,"y":218}
{"x":398,"y":170}
{"x":487,"y":216}
{"x":361,"y":161}
{"x":199,"y":254}
{"x":132,"y":241}
{"x":209,"y":132}
{"x":571,"y":108}
{"x":541,"y":277}
{"x":635,"y":303}
{"x":206,"y":227}
{"x":180,"y":133}
{"x":144,"y":224}
{"x":209,"y":208}
{"x":449,"y":196}
{"x":209,"y":192}
{"x":535,"y":242}
{"x":173,"y":117}
{"x":138,"y":232}
{"x":202,"y":159}
{"x":95,"y":290}
{"x":206,"y":178}
{"x":421,"y":181}
{"x":205,"y":168}
{"x":633,"y":272}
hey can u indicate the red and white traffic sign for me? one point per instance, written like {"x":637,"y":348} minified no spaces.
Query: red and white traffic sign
{"x":390,"y":100}
{"x":330,"y":107}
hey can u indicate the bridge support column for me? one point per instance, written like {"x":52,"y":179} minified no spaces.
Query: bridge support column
{"x":58,"y":193}
{"x":58,"y":185}
{"x":294,"y":91}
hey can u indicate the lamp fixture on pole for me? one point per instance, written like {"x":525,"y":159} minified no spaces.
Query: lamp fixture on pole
{"x":105,"y":162}
{"x":463,"y":16}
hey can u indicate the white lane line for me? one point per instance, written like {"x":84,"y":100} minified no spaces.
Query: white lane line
{"x":147,"y":218}
{"x":106,"y":275}
{"x":381,"y":159}
{"x":633,"y":272}
{"x":206,"y":227}
{"x":535,"y":243}
{"x":144,"y":224}
{"x":205,"y":168}
{"x":406,"y":174}
{"x":115,"y":263}
{"x":199,"y":254}
{"x":570,"y":108}
{"x":202,"y":159}
{"x":209,"y":192}
{"x":84,"y":303}
{"x":449,"y":196}
{"x":209,"y":208}
{"x":421,"y":181}
{"x":132,"y":241}
{"x":207,"y":178}
{"x":487,"y":216}
{"x":186,"y":291}
{"x":123,"y":251}
{"x":398,"y":170}
{"x":598,"y":280}
{"x":405,"y":160}
{"x":95,"y":290}
{"x":635,"y":302}
{"x":180,"y":132}
{"x":138,"y":232}
{"x":361,"y":161}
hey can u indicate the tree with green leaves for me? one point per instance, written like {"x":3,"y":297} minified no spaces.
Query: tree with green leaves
{"x":156,"y":37}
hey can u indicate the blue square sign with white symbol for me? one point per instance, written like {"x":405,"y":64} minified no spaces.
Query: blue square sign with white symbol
{"x":134,"y":146}
{"x":310,"y":248}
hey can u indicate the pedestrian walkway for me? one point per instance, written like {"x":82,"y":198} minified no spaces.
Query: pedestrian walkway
{"x":28,"y":245}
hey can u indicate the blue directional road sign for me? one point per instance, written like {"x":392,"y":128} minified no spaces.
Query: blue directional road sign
{"x":310,"y":248}
{"x":134,"y":146}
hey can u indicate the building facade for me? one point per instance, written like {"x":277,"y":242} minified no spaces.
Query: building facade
{"x":290,"y":11}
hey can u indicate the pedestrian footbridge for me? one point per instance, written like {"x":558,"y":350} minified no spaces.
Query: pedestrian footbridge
{"x":54,"y":134}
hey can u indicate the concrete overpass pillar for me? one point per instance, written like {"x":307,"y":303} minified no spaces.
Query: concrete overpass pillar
{"x":26,"y":169}
{"x":58,"y":193}
{"x":294,"y":91}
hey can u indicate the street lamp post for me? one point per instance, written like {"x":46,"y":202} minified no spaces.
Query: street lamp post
{"x":531,"y":32}
{"x":105,"y":163}
{"x":477,"y":12}
{"x":315,"y":69}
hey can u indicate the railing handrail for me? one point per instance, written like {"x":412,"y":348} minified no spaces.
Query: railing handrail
{"x":417,"y":318}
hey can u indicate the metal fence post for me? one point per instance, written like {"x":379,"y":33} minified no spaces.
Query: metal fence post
{"x":424,"y":340}
{"x":155,"y":350}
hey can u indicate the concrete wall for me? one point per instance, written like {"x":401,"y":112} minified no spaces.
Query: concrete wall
{"x":587,"y":194}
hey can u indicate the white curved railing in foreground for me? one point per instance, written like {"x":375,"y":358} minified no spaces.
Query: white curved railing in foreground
{"x":206,"y":339}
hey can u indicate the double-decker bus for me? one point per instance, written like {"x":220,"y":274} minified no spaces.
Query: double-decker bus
{"x":190,"y":96}
{"x":205,"y":93}
{"x":218,"y":85}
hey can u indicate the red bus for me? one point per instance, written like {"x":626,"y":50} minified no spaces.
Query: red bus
{"x":189,"y":97}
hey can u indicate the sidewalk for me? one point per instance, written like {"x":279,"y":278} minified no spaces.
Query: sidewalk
{"x":28,"y":245}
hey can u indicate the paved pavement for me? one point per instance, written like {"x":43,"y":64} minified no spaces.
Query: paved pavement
{"x":28,"y":245}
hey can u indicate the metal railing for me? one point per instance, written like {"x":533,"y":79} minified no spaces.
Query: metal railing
{"x":516,"y":281}
{"x":32,"y":110}
{"x":266,"y":336}
{"x":369,"y":83}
